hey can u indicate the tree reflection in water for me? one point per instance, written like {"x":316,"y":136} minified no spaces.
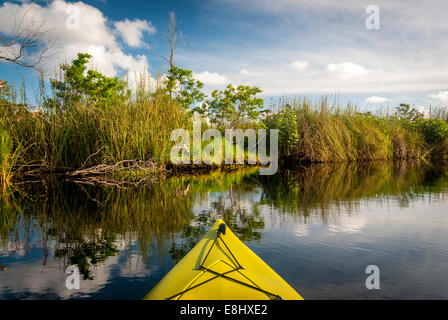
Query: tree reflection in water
{"x":85,"y":225}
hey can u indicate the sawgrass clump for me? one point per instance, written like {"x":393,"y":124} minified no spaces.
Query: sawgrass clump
{"x":326,"y":131}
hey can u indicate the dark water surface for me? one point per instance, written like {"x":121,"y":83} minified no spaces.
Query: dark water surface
{"x":319,"y":227}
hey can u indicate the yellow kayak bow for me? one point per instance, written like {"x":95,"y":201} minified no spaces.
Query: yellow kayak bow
{"x":221,"y":267}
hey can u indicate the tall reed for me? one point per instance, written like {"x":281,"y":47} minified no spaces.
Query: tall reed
{"x":89,"y":134}
{"x":8,"y":158}
{"x":326,"y":131}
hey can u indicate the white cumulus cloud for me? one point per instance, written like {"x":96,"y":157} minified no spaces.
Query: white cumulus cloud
{"x":424,"y":111}
{"x":376,"y":99}
{"x":441,"y":97}
{"x":132,"y":31}
{"x":93,"y":35}
{"x":346,"y":69}
{"x":251,"y":73}
{"x":300,"y":65}
{"x":212,"y":78}
{"x":343,"y":56}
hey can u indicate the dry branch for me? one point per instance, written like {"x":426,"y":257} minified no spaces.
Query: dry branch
{"x":27,"y":44}
{"x":145,"y":172}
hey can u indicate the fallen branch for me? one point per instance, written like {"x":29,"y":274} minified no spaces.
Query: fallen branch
{"x":121,"y":174}
{"x":144,"y":171}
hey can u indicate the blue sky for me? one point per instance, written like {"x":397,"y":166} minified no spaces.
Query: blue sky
{"x":286,"y":47}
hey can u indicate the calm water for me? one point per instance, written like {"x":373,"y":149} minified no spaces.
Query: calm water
{"x":319,"y":227}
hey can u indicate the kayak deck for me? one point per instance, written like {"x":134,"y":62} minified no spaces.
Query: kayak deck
{"x":221,"y":267}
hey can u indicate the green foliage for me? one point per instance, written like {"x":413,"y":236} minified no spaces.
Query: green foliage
{"x":90,"y":134}
{"x":79,"y":85}
{"x":405,"y":112}
{"x":102,"y":123}
{"x":320,"y":132}
{"x":235,"y":106}
{"x":88,"y":253}
{"x":183,"y":87}
{"x":435,"y":131}
{"x":5,"y":92}
{"x":286,"y":122}
{"x":8,"y":156}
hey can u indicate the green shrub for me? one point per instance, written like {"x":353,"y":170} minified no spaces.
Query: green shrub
{"x":183,"y":87}
{"x":79,"y":85}
{"x":324,"y":132}
{"x":8,"y":157}
{"x":435,"y":131}
{"x":288,"y":136}
{"x":234,"y":107}
{"x":405,"y":112}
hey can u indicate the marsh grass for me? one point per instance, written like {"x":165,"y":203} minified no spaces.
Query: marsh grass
{"x":8,"y":158}
{"x":327,"y":131}
{"x":86,"y":135}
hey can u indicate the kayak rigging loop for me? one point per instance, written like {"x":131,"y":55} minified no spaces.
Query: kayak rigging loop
{"x":222,"y":230}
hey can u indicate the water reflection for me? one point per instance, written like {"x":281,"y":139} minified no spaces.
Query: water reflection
{"x":323,"y":190}
{"x":58,"y":223}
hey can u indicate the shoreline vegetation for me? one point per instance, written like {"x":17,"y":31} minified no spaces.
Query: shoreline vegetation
{"x":94,"y":129}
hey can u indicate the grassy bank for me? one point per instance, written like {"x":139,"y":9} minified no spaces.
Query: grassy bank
{"x":131,"y":140}
{"x":132,"y":133}
{"x":93,"y":126}
{"x":321,"y":131}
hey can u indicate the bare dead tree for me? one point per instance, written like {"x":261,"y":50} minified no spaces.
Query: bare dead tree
{"x":174,"y":38}
{"x":27,"y":44}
